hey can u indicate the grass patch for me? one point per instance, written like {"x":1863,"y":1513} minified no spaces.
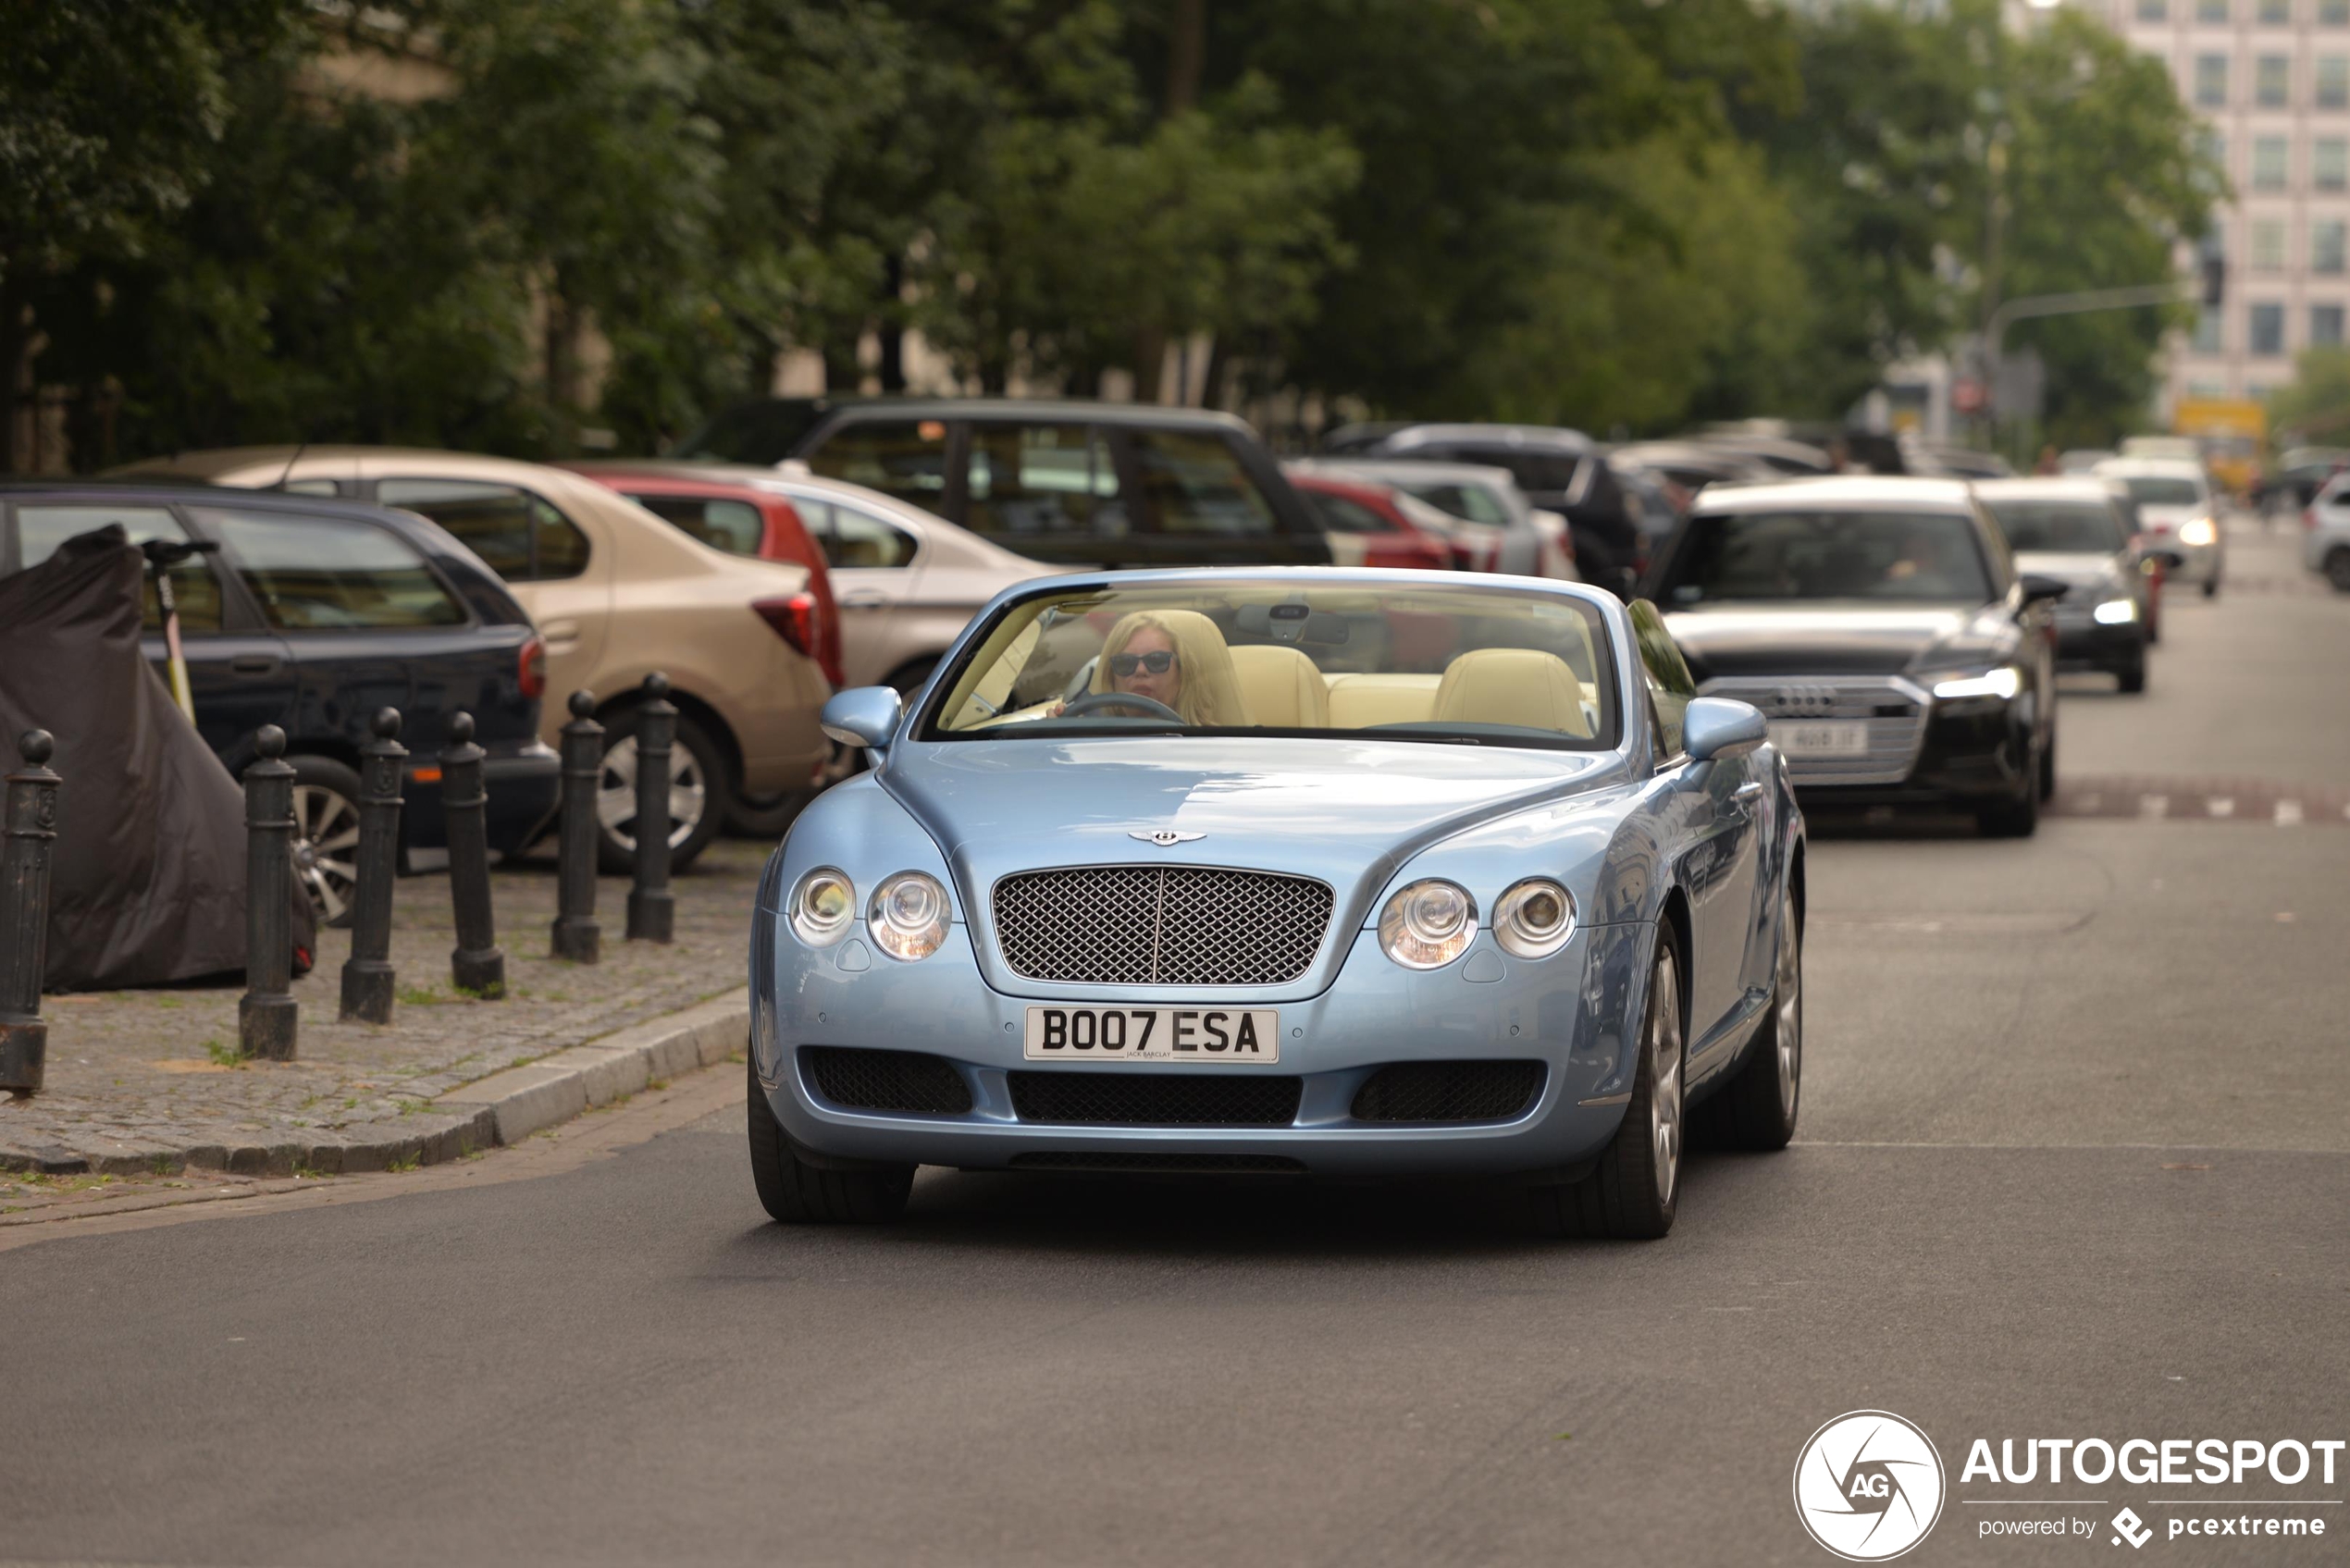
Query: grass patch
{"x":223,"y":1055}
{"x":406,"y":1163}
{"x":410,"y":1107}
{"x":654,"y":1085}
{"x":167,"y":1001}
{"x":419,"y":997}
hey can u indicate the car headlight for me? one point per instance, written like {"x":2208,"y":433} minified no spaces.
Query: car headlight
{"x":1428,"y":924}
{"x":822,"y":906}
{"x":1534,"y":919}
{"x":2002,"y":683}
{"x":2197,"y":531}
{"x":908,"y":915}
{"x":2116,"y":612}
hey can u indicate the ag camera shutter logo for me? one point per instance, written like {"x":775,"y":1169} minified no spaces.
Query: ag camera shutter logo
{"x":1868,"y":1486}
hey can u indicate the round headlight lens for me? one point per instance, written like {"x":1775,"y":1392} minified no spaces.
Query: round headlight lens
{"x":822,"y":906}
{"x":1427,"y":925}
{"x":1534,"y":919}
{"x":908,"y":915}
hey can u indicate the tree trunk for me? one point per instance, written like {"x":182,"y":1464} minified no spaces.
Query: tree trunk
{"x":1186,"y":50}
{"x":843,"y":376}
{"x":13,"y":335}
{"x":893,"y":326}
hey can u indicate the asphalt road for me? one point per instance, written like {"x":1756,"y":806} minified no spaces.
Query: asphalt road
{"x":2074,"y":1161}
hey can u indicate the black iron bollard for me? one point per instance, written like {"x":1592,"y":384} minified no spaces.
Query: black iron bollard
{"x":651,"y":909}
{"x":368,"y":979}
{"x":577,"y":936}
{"x":476,"y":965}
{"x":31,"y":827}
{"x":265,"y":1013}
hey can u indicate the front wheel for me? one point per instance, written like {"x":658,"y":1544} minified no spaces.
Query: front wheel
{"x":795,"y":1192}
{"x":1635,"y":1188}
{"x":1757,"y":1109}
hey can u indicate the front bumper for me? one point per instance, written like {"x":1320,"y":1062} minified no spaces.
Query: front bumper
{"x":1972,"y":754}
{"x":1568,"y":1012}
{"x":2086,"y":644}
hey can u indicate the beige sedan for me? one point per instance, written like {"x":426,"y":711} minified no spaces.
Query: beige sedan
{"x":617,"y":594}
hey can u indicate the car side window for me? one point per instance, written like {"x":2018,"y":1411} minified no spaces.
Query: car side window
{"x":332,"y":573}
{"x":905,"y":458}
{"x":1193,"y":484}
{"x":850,"y":537}
{"x":1342,"y":515}
{"x":1030,"y":479}
{"x":41,"y":529}
{"x":1663,"y":671}
{"x":520,"y":535}
{"x":734,"y":526}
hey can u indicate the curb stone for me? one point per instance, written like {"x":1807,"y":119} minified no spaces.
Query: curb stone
{"x":505,"y":1107}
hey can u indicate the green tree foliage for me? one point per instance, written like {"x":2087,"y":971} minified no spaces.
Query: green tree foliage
{"x":2314,"y":407}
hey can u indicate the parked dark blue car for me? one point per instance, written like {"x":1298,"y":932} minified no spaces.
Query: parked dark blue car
{"x":313,"y":614}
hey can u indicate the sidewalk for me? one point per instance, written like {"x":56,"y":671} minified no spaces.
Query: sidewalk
{"x":147,"y":1082}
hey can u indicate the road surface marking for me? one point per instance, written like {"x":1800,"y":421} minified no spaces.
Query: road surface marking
{"x":2221,"y":806}
{"x":2288,"y":813}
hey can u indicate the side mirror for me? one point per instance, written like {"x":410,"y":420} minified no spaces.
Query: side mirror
{"x":2041,"y":590}
{"x":2169,"y":560}
{"x":1717,"y":727}
{"x":865,"y":716}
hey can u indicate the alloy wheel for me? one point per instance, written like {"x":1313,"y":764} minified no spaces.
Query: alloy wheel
{"x":616,"y":793}
{"x":326,"y":847}
{"x":1789,"y":1022}
{"x":1664,"y":1079}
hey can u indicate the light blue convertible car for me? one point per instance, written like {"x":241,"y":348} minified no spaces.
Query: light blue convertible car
{"x":1285,"y":872}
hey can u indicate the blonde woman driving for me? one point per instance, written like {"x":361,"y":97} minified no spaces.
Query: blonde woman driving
{"x":1173,"y":660}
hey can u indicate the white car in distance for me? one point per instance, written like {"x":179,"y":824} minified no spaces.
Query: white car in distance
{"x":2179,"y":513}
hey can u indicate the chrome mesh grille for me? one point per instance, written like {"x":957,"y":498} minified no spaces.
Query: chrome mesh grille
{"x":1160,"y":925}
{"x":1894,"y":709}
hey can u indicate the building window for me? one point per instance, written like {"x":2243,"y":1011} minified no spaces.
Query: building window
{"x":2211,"y":11}
{"x":2270,"y":75}
{"x":2210,"y":332}
{"x":2333,"y":81}
{"x":2325,"y":327}
{"x":2330,"y":164}
{"x":2207,"y":390}
{"x":2326,"y":245}
{"x":2267,"y":162}
{"x":2160,"y":11}
{"x":2333,"y":13}
{"x":2268,"y":331}
{"x":2211,"y":80}
{"x":2268,"y":244}
{"x":2276,"y":13}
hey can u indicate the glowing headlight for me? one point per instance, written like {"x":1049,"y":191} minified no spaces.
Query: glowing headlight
{"x":2197,"y":531}
{"x":2003,"y":682}
{"x":908,"y":915}
{"x":1427,"y":925}
{"x":1534,"y":919}
{"x":821,"y":906}
{"x":2116,"y":612}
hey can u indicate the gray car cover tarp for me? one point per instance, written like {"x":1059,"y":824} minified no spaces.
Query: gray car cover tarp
{"x":148,"y":878}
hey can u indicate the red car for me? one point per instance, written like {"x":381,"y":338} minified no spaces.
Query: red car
{"x":1367,"y":525}
{"x":740,"y":520}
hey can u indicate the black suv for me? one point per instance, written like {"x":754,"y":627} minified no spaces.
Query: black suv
{"x":313,"y":614}
{"x":1085,"y":484}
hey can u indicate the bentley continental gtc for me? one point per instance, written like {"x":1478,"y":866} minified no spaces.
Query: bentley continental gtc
{"x":1286,"y":873}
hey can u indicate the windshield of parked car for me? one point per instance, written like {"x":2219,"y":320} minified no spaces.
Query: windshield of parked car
{"x":2152,"y":489}
{"x":1775,"y":556}
{"x":1468,"y":665}
{"x":2078,"y":527}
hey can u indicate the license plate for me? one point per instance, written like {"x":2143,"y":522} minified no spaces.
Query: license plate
{"x":1152,"y":1035}
{"x":1848,"y":737}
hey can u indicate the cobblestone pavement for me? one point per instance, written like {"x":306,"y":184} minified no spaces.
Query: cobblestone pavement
{"x":147,"y":1079}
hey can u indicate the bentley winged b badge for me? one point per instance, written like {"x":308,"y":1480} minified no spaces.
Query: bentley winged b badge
{"x":1164,"y":836}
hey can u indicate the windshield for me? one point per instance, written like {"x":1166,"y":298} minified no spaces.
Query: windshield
{"x":2081,"y":527}
{"x":2150,"y":489}
{"x":1468,"y":665}
{"x":1777,"y":556}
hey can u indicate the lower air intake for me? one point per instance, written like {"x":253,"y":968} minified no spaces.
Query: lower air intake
{"x":1163,"y":1099}
{"x":885,"y":1080}
{"x":1448,"y":1091}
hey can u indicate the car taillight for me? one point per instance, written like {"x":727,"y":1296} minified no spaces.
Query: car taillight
{"x":792,"y":619}
{"x":2309,"y":516}
{"x":530,"y":669}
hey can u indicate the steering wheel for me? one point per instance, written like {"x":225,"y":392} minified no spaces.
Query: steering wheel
{"x":1092,"y":701}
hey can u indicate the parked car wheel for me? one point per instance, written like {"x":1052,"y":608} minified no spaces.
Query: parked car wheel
{"x":1757,"y":1109}
{"x":2047,"y":771}
{"x":2338,"y":570}
{"x":795,"y":1192}
{"x":326,"y":845}
{"x":1635,"y":1188}
{"x":697,"y":793}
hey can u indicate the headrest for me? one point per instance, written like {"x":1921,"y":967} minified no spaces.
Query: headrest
{"x":1282,"y":687}
{"x":1513,"y":685}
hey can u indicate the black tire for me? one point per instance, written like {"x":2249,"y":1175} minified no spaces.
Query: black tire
{"x":2047,"y":780}
{"x":2338,"y":570}
{"x":2133,"y":676}
{"x":2016,"y":818}
{"x":1757,"y":1109}
{"x":1626,"y":1197}
{"x":617,"y":849}
{"x":327,"y":813}
{"x":2211,"y":586}
{"x":794,"y":1192}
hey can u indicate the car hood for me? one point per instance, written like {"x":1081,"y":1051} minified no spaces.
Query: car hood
{"x":1827,"y":638}
{"x":1348,"y":812}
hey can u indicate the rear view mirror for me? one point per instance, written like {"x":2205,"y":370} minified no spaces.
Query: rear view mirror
{"x":2040,"y":590}
{"x":1717,"y":726}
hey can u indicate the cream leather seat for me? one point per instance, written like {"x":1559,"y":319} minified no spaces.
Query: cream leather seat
{"x":1282,"y":687}
{"x":1360,"y":701}
{"x":1513,"y":685}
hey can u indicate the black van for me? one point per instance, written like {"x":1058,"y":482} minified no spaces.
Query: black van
{"x":1082,"y":484}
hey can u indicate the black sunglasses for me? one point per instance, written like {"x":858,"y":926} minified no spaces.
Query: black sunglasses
{"x":1158,"y":661}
